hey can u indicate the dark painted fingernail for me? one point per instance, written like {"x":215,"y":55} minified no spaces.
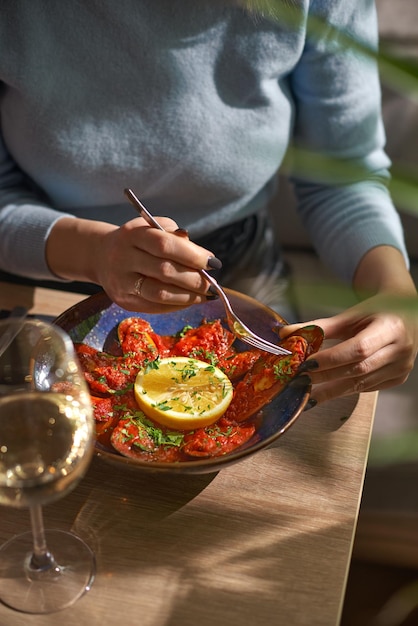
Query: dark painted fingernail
{"x":211,"y":293}
{"x":214,"y":263}
{"x":311,"y":403}
{"x":182,"y":232}
{"x":309,"y":365}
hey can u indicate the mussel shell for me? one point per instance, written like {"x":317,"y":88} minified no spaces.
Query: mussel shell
{"x":313,"y":334}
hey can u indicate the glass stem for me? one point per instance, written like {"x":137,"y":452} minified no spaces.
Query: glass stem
{"x":41,"y":558}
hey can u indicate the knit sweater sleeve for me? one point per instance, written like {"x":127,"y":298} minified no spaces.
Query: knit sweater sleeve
{"x":340,"y":168}
{"x":25,"y":222}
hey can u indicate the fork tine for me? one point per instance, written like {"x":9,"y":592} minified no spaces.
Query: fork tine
{"x":250,"y":337}
{"x":265,"y":345}
{"x":260,"y":343}
{"x":255,"y":340}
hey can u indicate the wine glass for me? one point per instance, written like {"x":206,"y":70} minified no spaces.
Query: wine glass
{"x":46,"y":445}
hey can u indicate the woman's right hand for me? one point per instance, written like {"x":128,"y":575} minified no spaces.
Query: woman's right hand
{"x":141,"y":268}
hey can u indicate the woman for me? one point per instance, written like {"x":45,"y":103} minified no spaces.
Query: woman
{"x":193,"y":105}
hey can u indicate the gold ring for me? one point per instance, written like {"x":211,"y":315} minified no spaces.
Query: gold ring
{"x":138,"y":285}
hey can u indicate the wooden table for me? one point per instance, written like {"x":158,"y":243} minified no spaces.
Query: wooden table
{"x":265,"y":542}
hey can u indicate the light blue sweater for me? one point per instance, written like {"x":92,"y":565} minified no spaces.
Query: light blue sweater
{"x":192,"y":103}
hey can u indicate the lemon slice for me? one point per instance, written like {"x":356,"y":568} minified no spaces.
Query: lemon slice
{"x":184,"y":393}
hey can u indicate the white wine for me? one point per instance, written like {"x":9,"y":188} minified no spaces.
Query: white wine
{"x":46,"y":445}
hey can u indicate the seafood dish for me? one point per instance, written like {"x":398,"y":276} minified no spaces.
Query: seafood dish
{"x":135,"y":343}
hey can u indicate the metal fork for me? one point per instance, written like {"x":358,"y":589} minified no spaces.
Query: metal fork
{"x":237,"y":326}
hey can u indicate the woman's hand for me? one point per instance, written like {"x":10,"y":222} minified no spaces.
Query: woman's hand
{"x":140,"y":267}
{"x":376,"y":348}
{"x":375,"y":342}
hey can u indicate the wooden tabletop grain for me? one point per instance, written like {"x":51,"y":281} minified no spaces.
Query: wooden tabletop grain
{"x":265,"y":542}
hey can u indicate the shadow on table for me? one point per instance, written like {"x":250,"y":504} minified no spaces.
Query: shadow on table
{"x":219,"y":555}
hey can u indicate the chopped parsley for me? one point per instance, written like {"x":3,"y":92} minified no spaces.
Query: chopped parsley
{"x":158,"y":436}
{"x":183,"y":331}
{"x":151,"y":365}
{"x":283,"y":370}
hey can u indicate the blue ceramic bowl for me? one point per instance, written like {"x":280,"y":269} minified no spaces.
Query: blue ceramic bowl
{"x":94,"y":321}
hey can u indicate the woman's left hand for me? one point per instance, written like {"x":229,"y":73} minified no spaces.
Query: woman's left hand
{"x":377,"y":346}
{"x":375,"y":342}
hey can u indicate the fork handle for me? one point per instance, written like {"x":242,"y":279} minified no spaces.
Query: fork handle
{"x":142,"y":210}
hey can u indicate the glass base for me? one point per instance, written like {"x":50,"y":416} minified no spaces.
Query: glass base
{"x":30,"y":590}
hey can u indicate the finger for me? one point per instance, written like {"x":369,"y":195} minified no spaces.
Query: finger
{"x":140,"y":305}
{"x":344,"y":387}
{"x":167,"y":245}
{"x":388,"y":359}
{"x":172,"y":274}
{"x":159,"y":292}
{"x":213,"y":262}
{"x":359,"y":348}
{"x":340,"y":326}
{"x":385,"y":361}
{"x":178,"y":289}
{"x":149,"y":296}
{"x":382,"y":371}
